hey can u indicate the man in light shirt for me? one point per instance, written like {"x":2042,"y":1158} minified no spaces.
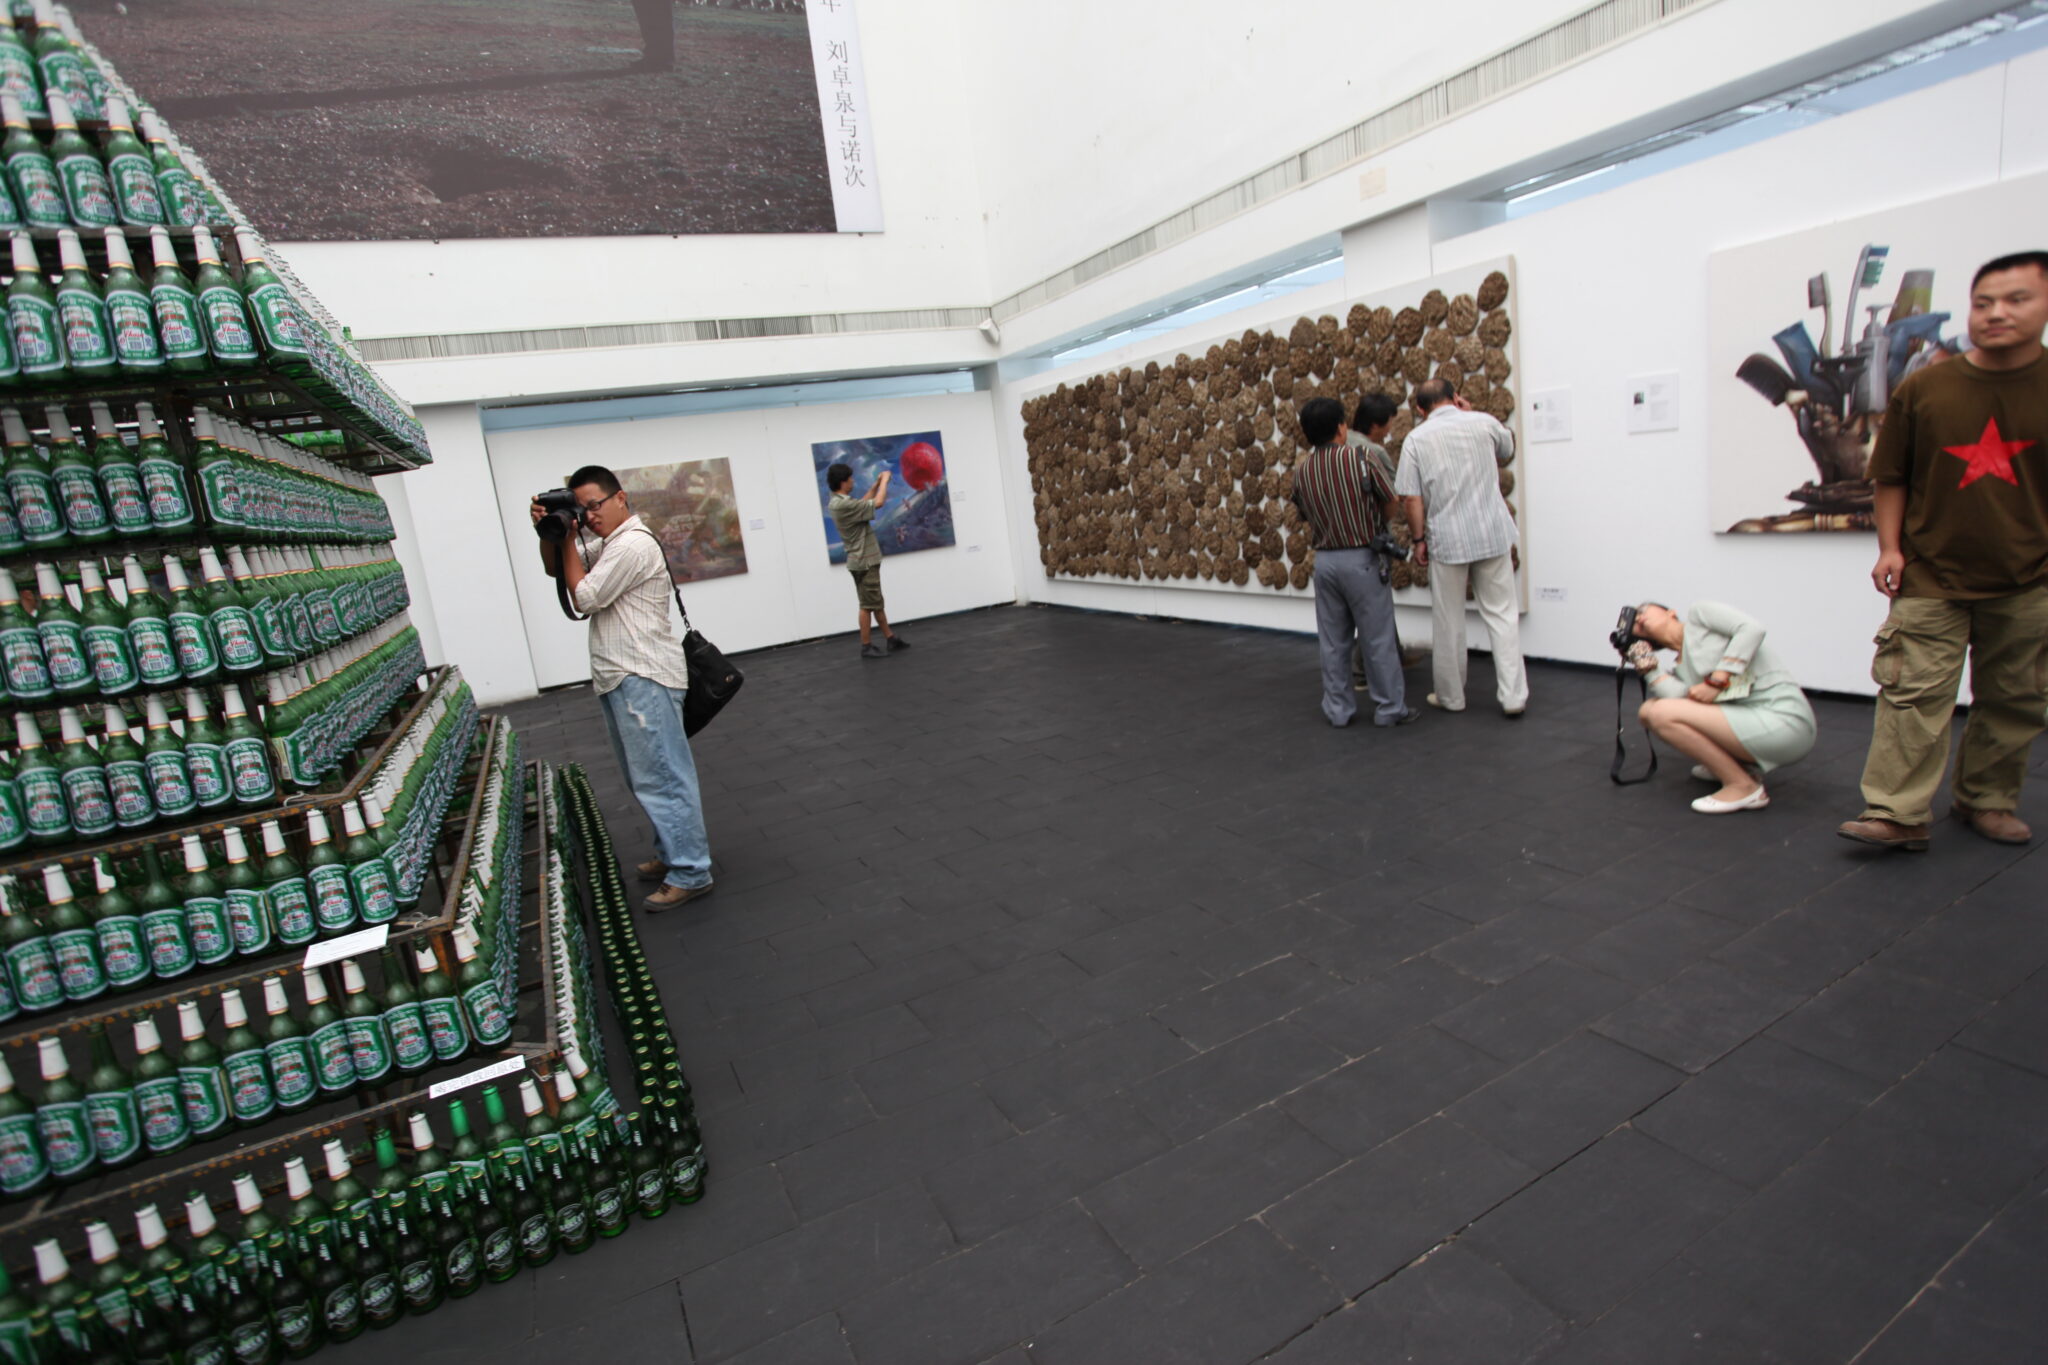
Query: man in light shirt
{"x":1449,"y":480}
{"x":619,"y":577}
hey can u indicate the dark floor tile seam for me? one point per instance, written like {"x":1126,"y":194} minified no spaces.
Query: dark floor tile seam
{"x":1961,"y":1046}
{"x":683,"y":1307}
{"x":1984,"y":1008}
{"x":2026,"y":1192}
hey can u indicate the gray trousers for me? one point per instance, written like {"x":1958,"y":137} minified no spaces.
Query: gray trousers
{"x":1353,"y":604}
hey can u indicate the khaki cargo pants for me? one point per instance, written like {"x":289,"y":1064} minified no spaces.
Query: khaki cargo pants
{"x":1919,"y":664}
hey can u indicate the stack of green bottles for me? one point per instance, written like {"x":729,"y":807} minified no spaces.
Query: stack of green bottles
{"x":320,"y":711}
{"x":59,"y":493}
{"x":491,"y":883}
{"x":257,"y":488}
{"x":419,"y":777}
{"x":420,"y":1225}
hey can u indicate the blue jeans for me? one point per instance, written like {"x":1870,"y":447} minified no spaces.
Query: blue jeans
{"x":645,"y":722}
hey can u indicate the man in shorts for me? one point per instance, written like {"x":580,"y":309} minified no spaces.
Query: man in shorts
{"x":855,"y":518}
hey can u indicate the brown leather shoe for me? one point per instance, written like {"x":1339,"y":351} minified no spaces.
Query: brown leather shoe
{"x":669,"y":897}
{"x":1885,"y":834}
{"x":653,"y":870}
{"x":1999,"y":826}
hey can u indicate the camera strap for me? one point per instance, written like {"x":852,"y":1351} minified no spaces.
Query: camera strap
{"x":1620,"y":724}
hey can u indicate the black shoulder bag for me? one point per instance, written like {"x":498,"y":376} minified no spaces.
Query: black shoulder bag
{"x":1620,"y":724}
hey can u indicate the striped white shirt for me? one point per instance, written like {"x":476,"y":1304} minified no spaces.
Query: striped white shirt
{"x":626,"y":594}
{"x":1452,"y":462}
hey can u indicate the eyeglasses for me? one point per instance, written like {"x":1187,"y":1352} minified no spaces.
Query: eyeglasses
{"x":586,"y":508}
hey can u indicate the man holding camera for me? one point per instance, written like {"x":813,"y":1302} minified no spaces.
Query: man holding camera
{"x":1961,"y":475}
{"x":1449,"y":478}
{"x":855,"y":518}
{"x":619,"y":577}
{"x":1343,"y":494}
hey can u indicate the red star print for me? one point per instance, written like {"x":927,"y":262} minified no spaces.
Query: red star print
{"x":1990,"y":455}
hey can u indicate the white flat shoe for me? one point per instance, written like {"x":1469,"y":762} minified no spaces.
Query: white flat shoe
{"x":1756,"y":800}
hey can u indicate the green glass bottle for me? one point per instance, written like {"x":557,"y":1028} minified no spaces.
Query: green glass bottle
{"x":104,"y":629}
{"x":294,"y":1311}
{"x":291,"y":904}
{"x":368,"y":873}
{"x":467,"y":1161}
{"x":543,"y":1137}
{"x":162,"y":912}
{"x":260,"y":1240}
{"x":369,"y":1043}
{"x":250,"y":1097}
{"x":334,"y":1292}
{"x":309,"y":1221}
{"x":206,"y":756}
{"x":15,"y":1333}
{"x":289,"y":1052}
{"x":159,"y":1101}
{"x":127,"y":775}
{"x":152,"y":1337}
{"x":131,"y":313}
{"x":259,"y":595}
{"x":61,"y":1122}
{"x":429,"y":1163}
{"x":497,"y":1240}
{"x":503,"y":1142}
{"x":175,"y":308}
{"x":222,"y":308}
{"x":461,"y":1257}
{"x":376,"y":1284}
{"x":684,"y":1154}
{"x":530,"y":1215}
{"x":244,"y":1320}
{"x":62,"y":1297}
{"x":148,"y":629}
{"x":206,"y":911}
{"x":490,"y":1023}
{"x":23,"y":1168}
{"x":170,"y":776}
{"x":573,"y":1232}
{"x":234,"y":629}
{"x":648,"y":1172}
{"x":160,"y":1264}
{"x":334,"y":1065}
{"x":13,"y":834}
{"x":334,"y":906}
{"x":130,"y":170}
{"x":388,"y":1190}
{"x":191,"y":636}
{"x":18,"y":74}
{"x":119,"y":476}
{"x":111,"y":1278}
{"x":210,"y":1247}
{"x":124,"y":950}
{"x":30,"y":172}
{"x":202,"y":1081}
{"x":86,"y":799}
{"x":248,"y":754}
{"x":110,"y":1104}
{"x":199,"y":1337}
{"x":440,"y":1007}
{"x":61,"y":65}
{"x":72,"y":940}
{"x":610,"y":1187}
{"x":419,"y":1274}
{"x":278,"y":320}
{"x":38,"y":339}
{"x":31,"y":486}
{"x":76,"y":480}
{"x":21,"y":649}
{"x":62,"y":639}
{"x":82,"y":314}
{"x":412,"y":1049}
{"x":346,"y":1197}
{"x":248,"y":912}
{"x":181,"y":199}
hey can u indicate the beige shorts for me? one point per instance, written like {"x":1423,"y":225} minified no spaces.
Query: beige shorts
{"x":867,"y":586}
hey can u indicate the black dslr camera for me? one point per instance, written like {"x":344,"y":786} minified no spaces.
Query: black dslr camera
{"x":1624,"y":633}
{"x":563,"y":515}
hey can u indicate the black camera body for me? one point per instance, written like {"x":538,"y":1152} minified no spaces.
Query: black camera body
{"x":1384,"y":546}
{"x":563,"y":515}
{"x":1624,"y":633}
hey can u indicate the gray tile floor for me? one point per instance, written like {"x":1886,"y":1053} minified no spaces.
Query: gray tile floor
{"x":1072,"y":993}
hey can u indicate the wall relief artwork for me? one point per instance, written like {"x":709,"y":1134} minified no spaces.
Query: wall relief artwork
{"x":1180,"y":471}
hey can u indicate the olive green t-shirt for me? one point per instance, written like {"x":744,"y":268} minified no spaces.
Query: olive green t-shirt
{"x":1971,"y":447}
{"x":855,"y":518}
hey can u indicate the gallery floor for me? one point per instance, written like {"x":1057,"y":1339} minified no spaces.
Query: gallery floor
{"x":1073,"y":993}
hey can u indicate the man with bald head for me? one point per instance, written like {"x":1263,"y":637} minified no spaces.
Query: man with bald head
{"x":1449,"y":482}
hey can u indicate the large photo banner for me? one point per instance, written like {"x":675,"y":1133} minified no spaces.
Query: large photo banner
{"x":389,"y":119}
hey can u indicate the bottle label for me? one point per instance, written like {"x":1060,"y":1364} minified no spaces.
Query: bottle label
{"x":122,"y":951}
{"x":132,"y":322}
{"x":116,"y":1128}
{"x":206,"y":920}
{"x":204,"y":1092}
{"x":488,"y":1022}
{"x":535,"y":1234}
{"x":160,"y":1104}
{"x":177,"y":322}
{"x":326,"y":624}
{"x":249,"y":771}
{"x":223,"y":496}
{"x":572,"y":1220}
{"x":227,"y":323}
{"x":85,"y":793}
{"x":88,"y":191}
{"x":194,"y":643}
{"x":341,"y":1309}
{"x":608,"y":1206}
{"x":170,"y":951}
{"x":163,"y":486}
{"x":13,"y":831}
{"x":239,"y":647}
{"x":127,"y":504}
{"x":411,"y":1048}
{"x":156,"y":655}
{"x":18,"y":77}
{"x":333,"y":907}
{"x":500,"y":1252}
{"x":277,"y":314}
{"x":67,"y":1137}
{"x":84,"y":320}
{"x":416,"y":1281}
{"x":112,"y":665}
{"x":36,"y":508}
{"x":295,"y":1326}
{"x":249,"y":1096}
{"x":651,"y":1189}
{"x":64,"y":72}
{"x":334,"y":1063}
{"x":21,"y":1155}
{"x":291,"y":1071}
{"x":64,"y":652}
{"x":78,"y":493}
{"x":128,"y":785}
{"x":686,"y":1176}
{"x":380,"y":1296}
{"x":117,"y":1310}
{"x":372,"y":882}
{"x":170,"y":782}
{"x":208,"y":764}
{"x":135,"y":189}
{"x":42,"y":194}
{"x":248,"y":921}
{"x":251,"y":1343}
{"x":38,"y":344}
{"x":183,"y":206}
{"x":291,"y":911}
{"x":369,"y":1048}
{"x":22,"y":650}
{"x":78,"y":963}
{"x":445,"y":1029}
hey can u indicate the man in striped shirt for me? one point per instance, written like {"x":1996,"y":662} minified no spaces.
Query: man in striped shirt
{"x":1343,"y":494}
{"x":619,"y":576}
{"x":1449,"y":479}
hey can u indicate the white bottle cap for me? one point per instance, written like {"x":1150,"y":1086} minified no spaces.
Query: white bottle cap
{"x":69,"y":726}
{"x":56,"y":886}
{"x":247,"y":1197}
{"x":51,"y":1267}
{"x":232,"y":1012}
{"x":198,"y":1215}
{"x":154,"y":714}
{"x":237,"y":850}
{"x":565,"y":1086}
{"x":529,"y":1097}
{"x":274,"y":1002}
{"x":190,"y":1025}
{"x":351,"y":976}
{"x":315,"y":986}
{"x":149,"y":1227}
{"x":51,"y":1053}
{"x":422,"y":1132}
{"x":195,"y":854}
{"x":297,"y":1184}
{"x":118,"y":257}
{"x":146,"y":1038}
{"x":100,"y":1243}
{"x":60,"y":421}
{"x":273,"y":839}
{"x":337,"y":1159}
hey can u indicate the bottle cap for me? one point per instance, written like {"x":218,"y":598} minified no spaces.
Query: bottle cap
{"x":274,"y":1002}
{"x":204,"y":249}
{"x":273,"y":838}
{"x":10,"y":593}
{"x":565,"y":1086}
{"x":529,"y":1097}
{"x":6,"y":1077}
{"x":195,"y":853}
{"x":422,"y":1131}
{"x":203,"y":428}
{"x":56,"y":886}
{"x":316,"y":828}
{"x":103,"y":411}
{"x":99,"y":1242}
{"x":117,"y":113}
{"x":134,"y":576}
{"x":152,"y":129}
{"x":198,"y":1215}
{"x":60,"y":421}
{"x":116,"y":723}
{"x":190,"y":1026}
{"x":89,"y":580}
{"x":69,"y":726}
{"x":51,"y":1266}
{"x":10,"y":109}
{"x":247,"y":1197}
{"x":174,"y":574}
{"x":231,"y":840}
{"x":337,"y":1159}
{"x":25,"y":262}
{"x":424,"y":959}
{"x":160,"y":248}
{"x":297,"y":1184}
{"x":25,"y":736}
{"x":149,"y":1227}
{"x":118,"y":258}
{"x":70,"y":255}
{"x":145,"y":413}
{"x":351,"y":820}
{"x":250,"y":247}
{"x":232,"y":1012}
{"x":15,"y":429}
{"x":351,"y":976}
{"x":60,"y":108}
{"x":146,"y":1038}
{"x":51,"y":1053}
{"x":101,"y":881}
{"x":154,"y":714}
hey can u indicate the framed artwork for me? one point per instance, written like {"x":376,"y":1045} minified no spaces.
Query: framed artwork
{"x":691,"y":508}
{"x":918,"y":514}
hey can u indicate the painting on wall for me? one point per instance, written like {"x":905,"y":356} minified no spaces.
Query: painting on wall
{"x":691,"y":508}
{"x":918,"y":512}
{"x":1180,"y":470}
{"x":1811,"y":333}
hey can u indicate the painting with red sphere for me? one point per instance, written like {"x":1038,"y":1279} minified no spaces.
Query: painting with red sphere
{"x":918,"y":512}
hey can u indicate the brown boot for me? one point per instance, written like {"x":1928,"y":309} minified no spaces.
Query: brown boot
{"x":1885,"y":834}
{"x":669,"y":897}
{"x":1999,"y":826}
{"x":653,"y":870}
